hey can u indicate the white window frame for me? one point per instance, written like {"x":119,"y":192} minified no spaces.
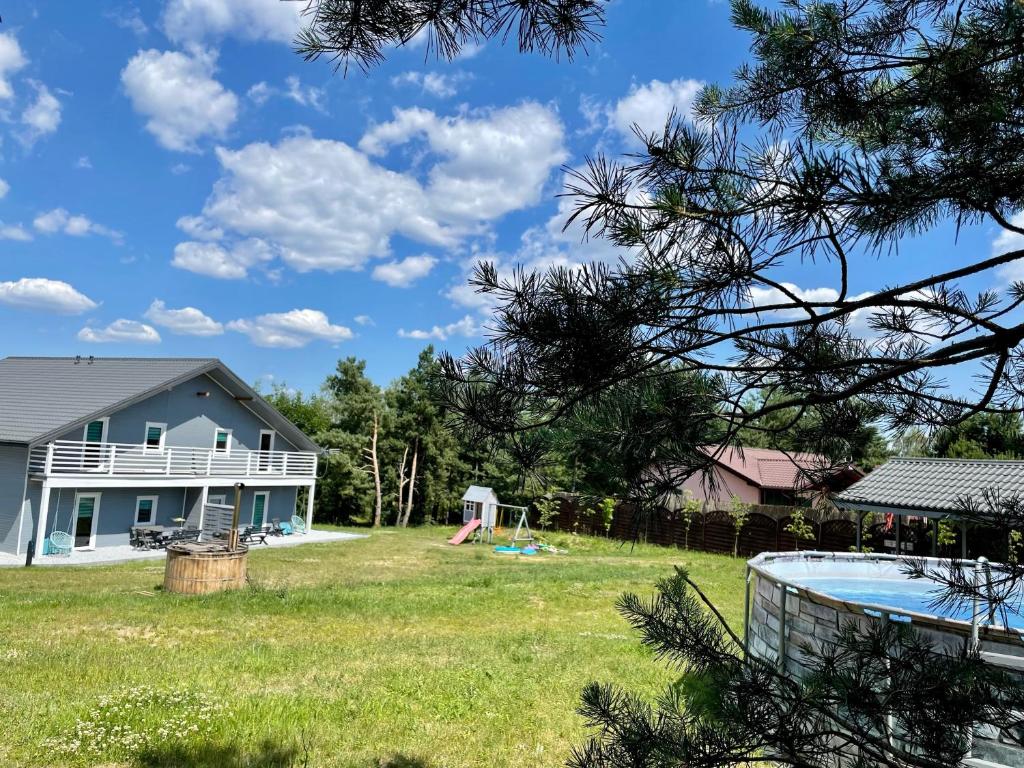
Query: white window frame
{"x":222,"y":496}
{"x":106,"y":428}
{"x":265,"y":459}
{"x":96,"y":496}
{"x":146,"y":447}
{"x":273,"y":438}
{"x":98,"y":454}
{"x":227,"y":449}
{"x":266,"y":508}
{"x":155,"y":500}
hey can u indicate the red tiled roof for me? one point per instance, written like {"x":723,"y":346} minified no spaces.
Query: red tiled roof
{"x":768,"y":468}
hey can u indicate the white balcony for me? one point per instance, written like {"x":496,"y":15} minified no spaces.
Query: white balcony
{"x":67,"y":459}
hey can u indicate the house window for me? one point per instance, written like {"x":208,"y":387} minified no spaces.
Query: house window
{"x":95,"y":431}
{"x":145,"y":510}
{"x":222,"y":440}
{"x":155,"y":434}
{"x":94,"y":436}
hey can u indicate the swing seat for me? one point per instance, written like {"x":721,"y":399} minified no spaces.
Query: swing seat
{"x":59,"y":543}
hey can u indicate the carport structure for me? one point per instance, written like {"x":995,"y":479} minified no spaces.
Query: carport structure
{"x":935,"y":489}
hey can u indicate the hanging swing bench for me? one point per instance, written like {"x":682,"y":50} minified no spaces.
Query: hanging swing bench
{"x":60,"y":542}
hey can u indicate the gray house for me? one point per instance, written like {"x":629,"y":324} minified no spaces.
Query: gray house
{"x":95,"y":446}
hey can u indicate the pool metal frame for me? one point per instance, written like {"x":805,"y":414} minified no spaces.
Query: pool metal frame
{"x":975,"y":628}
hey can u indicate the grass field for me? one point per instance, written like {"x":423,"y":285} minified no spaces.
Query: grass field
{"x":396,"y":650}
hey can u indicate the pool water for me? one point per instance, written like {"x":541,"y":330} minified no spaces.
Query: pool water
{"x":916,"y":595}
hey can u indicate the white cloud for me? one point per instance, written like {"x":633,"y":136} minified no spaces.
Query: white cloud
{"x":11,"y":60}
{"x":199,"y":228}
{"x":4,"y":188}
{"x":214,"y":260}
{"x":364,"y":320}
{"x":859,"y":320}
{"x":179,"y":168}
{"x":765,"y":296}
{"x":84,"y":163}
{"x":260,"y":92}
{"x":649,"y":105}
{"x":306,"y":95}
{"x":14,"y":232}
{"x":467,"y":326}
{"x":131,"y":331}
{"x":45,"y":295}
{"x":541,"y":247}
{"x":187,"y":321}
{"x":321,"y":204}
{"x":402,"y":274}
{"x":76,"y":225}
{"x":177,"y":93}
{"x":1008,"y":241}
{"x":128,"y":17}
{"x":293,"y":329}
{"x":42,"y":116}
{"x":493,"y":162}
{"x":192,"y":21}
{"x":434,"y":83}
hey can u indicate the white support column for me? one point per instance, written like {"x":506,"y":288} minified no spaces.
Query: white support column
{"x":203,"y":496}
{"x":44,"y":511}
{"x":309,"y":506}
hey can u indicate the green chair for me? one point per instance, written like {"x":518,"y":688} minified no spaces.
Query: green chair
{"x":60,"y":543}
{"x":298,"y":524}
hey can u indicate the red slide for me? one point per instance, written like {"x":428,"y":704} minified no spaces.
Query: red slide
{"x":464,"y":531}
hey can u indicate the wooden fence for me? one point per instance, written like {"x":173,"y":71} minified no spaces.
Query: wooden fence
{"x":713,"y":530}
{"x":765,"y":531}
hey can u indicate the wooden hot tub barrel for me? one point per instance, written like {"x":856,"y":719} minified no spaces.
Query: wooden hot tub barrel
{"x":196,"y":568}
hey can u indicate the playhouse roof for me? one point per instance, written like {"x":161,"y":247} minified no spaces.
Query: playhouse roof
{"x":479,"y":493}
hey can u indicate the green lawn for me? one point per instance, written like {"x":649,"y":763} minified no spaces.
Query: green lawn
{"x":397,"y":650}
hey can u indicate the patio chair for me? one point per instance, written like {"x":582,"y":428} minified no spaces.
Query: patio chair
{"x":153,"y":539}
{"x":136,"y":539}
{"x":60,"y":543}
{"x":298,"y":524}
{"x":275,"y":527}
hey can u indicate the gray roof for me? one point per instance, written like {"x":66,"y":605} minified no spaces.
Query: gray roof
{"x":931,"y":487}
{"x":479,"y":493}
{"x":43,"y":397}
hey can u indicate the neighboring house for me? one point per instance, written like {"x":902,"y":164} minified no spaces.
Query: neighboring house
{"x":96,"y":446}
{"x":765,"y":476}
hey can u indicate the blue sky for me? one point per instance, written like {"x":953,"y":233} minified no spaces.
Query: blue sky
{"x":176,"y":181}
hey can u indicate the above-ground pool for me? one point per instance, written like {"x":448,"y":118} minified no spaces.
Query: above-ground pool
{"x":872,"y":581}
{"x":798,"y":598}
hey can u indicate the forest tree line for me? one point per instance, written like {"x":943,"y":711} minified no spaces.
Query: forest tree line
{"x":397,"y":444}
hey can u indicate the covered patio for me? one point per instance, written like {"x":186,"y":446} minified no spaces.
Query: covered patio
{"x":933,"y":489}
{"x":126,"y":553}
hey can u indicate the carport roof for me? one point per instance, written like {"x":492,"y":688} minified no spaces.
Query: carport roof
{"x":931,"y":487}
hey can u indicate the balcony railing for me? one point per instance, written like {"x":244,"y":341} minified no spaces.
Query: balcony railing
{"x":72,"y":457}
